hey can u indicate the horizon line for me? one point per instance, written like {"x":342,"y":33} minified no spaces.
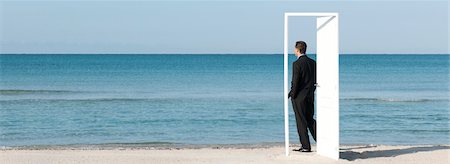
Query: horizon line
{"x":213,"y":54}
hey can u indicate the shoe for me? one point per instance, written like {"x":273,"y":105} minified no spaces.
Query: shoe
{"x":302,"y":150}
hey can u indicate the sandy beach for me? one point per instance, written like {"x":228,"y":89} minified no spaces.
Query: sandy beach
{"x":435,"y":154}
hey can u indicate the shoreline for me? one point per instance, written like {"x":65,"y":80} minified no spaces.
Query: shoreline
{"x":183,"y":146}
{"x":145,"y":146}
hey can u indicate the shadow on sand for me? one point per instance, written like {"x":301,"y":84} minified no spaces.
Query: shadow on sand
{"x":351,"y":155}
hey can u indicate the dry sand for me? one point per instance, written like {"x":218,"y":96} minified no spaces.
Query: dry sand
{"x":382,"y":154}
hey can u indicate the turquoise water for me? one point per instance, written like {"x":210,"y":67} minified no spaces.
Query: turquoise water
{"x":212,"y":99}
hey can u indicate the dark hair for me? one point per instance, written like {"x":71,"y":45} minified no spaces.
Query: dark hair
{"x":301,"y":45}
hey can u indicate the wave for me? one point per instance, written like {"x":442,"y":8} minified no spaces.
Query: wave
{"x":12,"y":92}
{"x":26,"y":91}
{"x":397,"y":130}
{"x":175,"y":98}
{"x":392,"y":99}
{"x":92,"y":99}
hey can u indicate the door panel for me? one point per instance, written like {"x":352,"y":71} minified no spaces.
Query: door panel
{"x":327,"y":92}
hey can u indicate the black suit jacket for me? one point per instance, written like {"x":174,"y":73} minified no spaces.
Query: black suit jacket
{"x":303,"y":78}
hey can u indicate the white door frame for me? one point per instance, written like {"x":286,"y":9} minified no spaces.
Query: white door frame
{"x":327,"y":92}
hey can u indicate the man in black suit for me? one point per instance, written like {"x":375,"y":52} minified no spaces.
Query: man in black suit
{"x":302,"y":95}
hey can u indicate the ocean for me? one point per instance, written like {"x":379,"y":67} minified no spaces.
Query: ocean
{"x":212,"y":99}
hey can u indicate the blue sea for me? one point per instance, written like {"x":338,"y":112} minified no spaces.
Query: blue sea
{"x":212,"y":99}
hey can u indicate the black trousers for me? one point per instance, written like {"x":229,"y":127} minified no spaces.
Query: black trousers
{"x":304,"y":112}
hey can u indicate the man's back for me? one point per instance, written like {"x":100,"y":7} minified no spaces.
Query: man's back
{"x":307,"y":75}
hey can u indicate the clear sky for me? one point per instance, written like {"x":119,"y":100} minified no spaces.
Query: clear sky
{"x":217,"y":26}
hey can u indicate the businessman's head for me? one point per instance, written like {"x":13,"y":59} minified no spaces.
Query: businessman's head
{"x":300,"y":48}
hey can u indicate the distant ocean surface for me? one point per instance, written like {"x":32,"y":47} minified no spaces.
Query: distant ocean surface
{"x":212,"y":99}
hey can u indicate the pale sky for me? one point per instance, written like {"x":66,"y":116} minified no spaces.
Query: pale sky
{"x":368,"y":27}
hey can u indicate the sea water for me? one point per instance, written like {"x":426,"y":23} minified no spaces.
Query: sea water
{"x":61,"y":99}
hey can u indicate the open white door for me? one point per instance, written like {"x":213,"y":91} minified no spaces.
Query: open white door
{"x":327,"y":92}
